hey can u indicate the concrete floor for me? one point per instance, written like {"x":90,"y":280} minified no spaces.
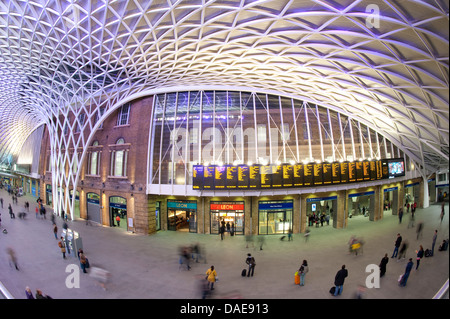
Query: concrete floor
{"x":147,"y":266}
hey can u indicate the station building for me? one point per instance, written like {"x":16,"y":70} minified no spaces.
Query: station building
{"x":142,"y":162}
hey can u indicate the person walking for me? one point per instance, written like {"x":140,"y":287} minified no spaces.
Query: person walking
{"x":419,"y":256}
{"x":250,"y":261}
{"x":55,"y":231}
{"x":405,"y":276}
{"x":83,"y":261}
{"x":402,"y":251}
{"x":118,"y":220}
{"x":400,"y":215}
{"x":12,"y":257}
{"x":419,"y":230}
{"x":303,"y":271}
{"x":434,"y":242}
{"x":398,"y":241}
{"x":11,"y":213}
{"x":62,"y":246}
{"x":383,"y":265}
{"x":339,"y":280}
{"x":211,"y":277}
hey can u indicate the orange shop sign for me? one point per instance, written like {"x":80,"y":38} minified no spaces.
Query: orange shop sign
{"x":227,"y":206}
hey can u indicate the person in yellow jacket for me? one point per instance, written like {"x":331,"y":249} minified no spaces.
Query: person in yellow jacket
{"x":211,"y":276}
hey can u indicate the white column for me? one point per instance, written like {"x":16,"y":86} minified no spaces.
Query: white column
{"x":426,"y":200}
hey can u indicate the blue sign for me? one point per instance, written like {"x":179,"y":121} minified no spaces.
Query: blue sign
{"x":390,"y":189}
{"x":117,"y":205}
{"x":361,"y":194}
{"x":182,"y":205}
{"x":411,"y":185}
{"x":318,"y":199}
{"x":275,"y":205}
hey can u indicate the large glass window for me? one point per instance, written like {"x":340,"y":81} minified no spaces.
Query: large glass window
{"x":124,"y":114}
{"x":119,"y":160}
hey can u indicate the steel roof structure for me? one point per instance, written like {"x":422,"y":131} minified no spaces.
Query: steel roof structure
{"x":383,"y":63}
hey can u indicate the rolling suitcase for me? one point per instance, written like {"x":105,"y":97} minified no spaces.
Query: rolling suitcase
{"x":297,"y":278}
{"x":244,"y":272}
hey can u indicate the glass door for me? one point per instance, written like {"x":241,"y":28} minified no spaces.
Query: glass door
{"x":192,"y":222}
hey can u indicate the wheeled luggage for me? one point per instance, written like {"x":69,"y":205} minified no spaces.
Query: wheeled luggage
{"x":297,"y":278}
{"x":244,"y":272}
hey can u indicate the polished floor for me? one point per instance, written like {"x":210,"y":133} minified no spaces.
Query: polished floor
{"x":148,"y":266}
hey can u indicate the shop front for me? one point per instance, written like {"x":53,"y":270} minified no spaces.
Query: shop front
{"x":118,"y":212}
{"x":93,"y":207}
{"x":182,"y":215}
{"x":227,"y":214}
{"x":275,"y":217}
{"x":390,"y":200}
{"x":361,"y":205}
{"x":320,"y":211}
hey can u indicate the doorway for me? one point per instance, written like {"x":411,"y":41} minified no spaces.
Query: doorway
{"x":118,"y":212}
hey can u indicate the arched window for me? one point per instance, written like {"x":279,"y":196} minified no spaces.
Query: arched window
{"x":94,"y":161}
{"x":119,"y":160}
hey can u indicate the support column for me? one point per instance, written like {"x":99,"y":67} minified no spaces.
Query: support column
{"x":342,"y":216}
{"x":424,"y":195}
{"x":302,"y":214}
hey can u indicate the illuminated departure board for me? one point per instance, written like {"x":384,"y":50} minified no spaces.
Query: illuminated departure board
{"x":220,"y":177}
{"x":242,"y":176}
{"x":366,"y":170}
{"x":351,"y":172}
{"x":336,"y":173}
{"x":277,"y":176}
{"x":197,"y":177}
{"x":288,"y":175}
{"x":318,"y":179}
{"x":327,"y":173}
{"x":359,"y":171}
{"x":266,"y":176}
{"x":254,"y":177}
{"x":308,"y":174}
{"x":344,"y":172}
{"x":232,"y":177}
{"x":297,"y":175}
{"x":208,"y":177}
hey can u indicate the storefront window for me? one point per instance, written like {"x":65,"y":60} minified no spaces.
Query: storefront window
{"x":275,"y":217}
{"x":230,"y":215}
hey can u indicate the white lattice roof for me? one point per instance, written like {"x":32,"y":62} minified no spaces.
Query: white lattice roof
{"x":388,"y":71}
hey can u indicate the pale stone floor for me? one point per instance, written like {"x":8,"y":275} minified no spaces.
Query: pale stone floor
{"x":146,"y":267}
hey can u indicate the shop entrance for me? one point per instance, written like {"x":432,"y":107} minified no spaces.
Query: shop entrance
{"x":361,"y":205}
{"x":390,"y":200}
{"x":321,"y":211}
{"x":182,"y":216}
{"x":227,"y":214}
{"x":275,"y":217}
{"x":118,"y":212}
{"x":93,"y":207}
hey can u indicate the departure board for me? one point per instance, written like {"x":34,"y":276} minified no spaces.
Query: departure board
{"x":197,"y":177}
{"x":232,"y":177}
{"x":242,"y":176}
{"x":220,"y":177}
{"x":208,"y":177}
{"x":379,"y":170}
{"x":366,"y":170}
{"x":266,"y":176}
{"x":318,"y":178}
{"x":336,"y":173}
{"x":308,"y":171}
{"x":277,"y":176}
{"x":327,"y":173}
{"x":359,"y":171}
{"x":254,"y":177}
{"x":288,"y":175}
{"x":297,"y":175}
{"x":373,"y":170}
{"x":344,"y":172}
{"x":351,"y":172}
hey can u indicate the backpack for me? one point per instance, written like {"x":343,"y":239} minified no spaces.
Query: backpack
{"x":302,"y":269}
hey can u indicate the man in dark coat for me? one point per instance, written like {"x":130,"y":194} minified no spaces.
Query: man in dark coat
{"x":405,"y":276}
{"x":398,"y":241}
{"x":339,"y":280}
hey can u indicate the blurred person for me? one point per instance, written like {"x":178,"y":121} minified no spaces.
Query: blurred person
{"x":62,"y":246}
{"x":203,"y":286}
{"x":12,"y":257}
{"x":434,"y":242}
{"x":249,"y":240}
{"x":261,"y":241}
{"x":359,"y":294}
{"x":383,"y":264}
{"x":419,"y":229}
{"x":402,"y":251}
{"x":101,"y":276}
{"x":55,"y":231}
{"x":211,"y":277}
{"x":84,"y":263}
{"x":40,"y":295}
{"x":307,"y":234}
